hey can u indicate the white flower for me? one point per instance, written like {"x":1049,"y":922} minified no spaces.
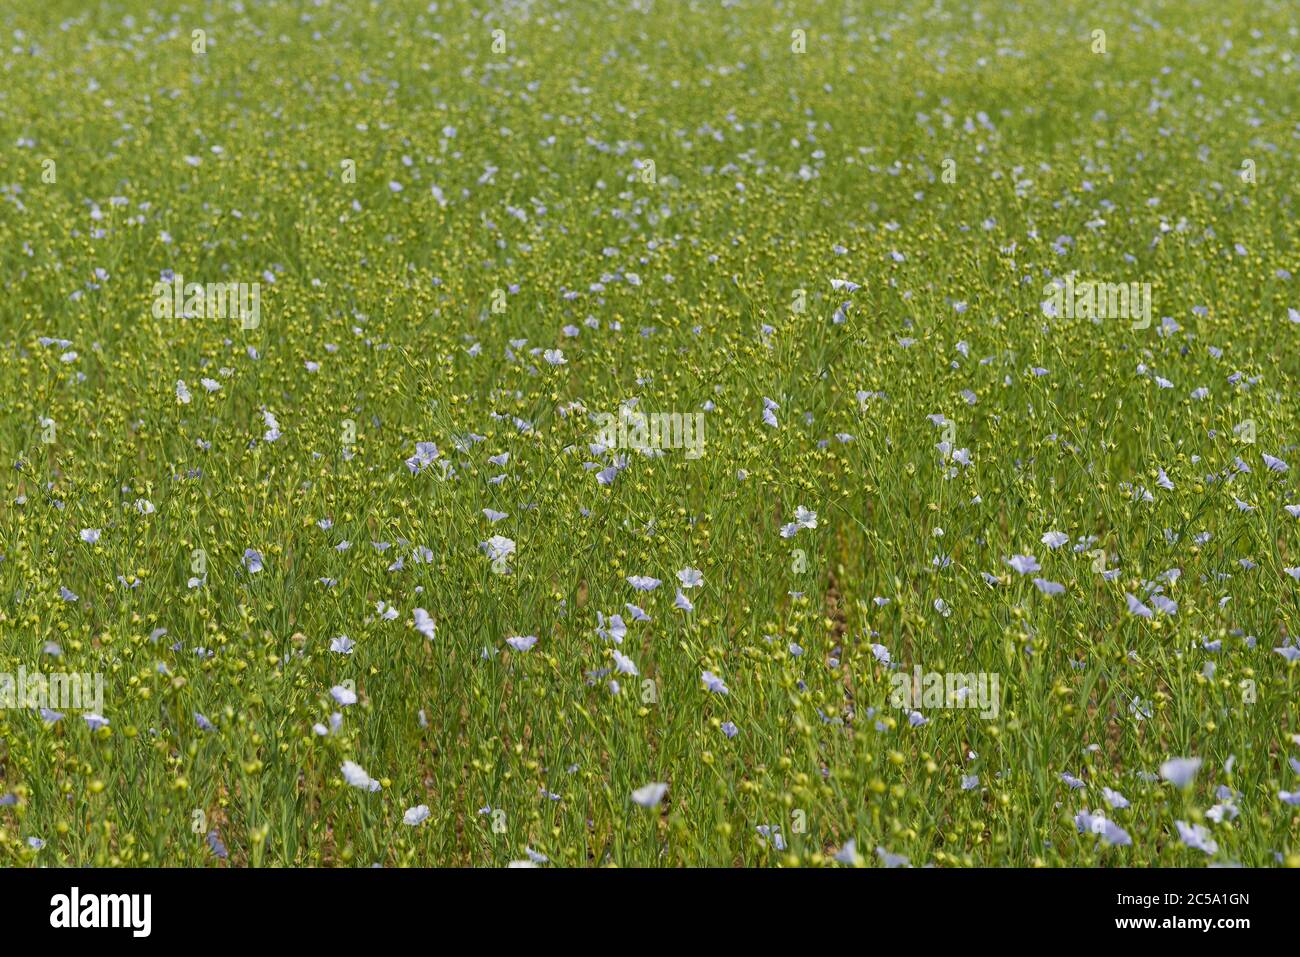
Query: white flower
{"x":690,"y":577}
{"x":416,"y":815}
{"x":498,"y":547}
{"x":356,"y":776}
{"x":649,"y":795}
{"x":423,"y":623}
